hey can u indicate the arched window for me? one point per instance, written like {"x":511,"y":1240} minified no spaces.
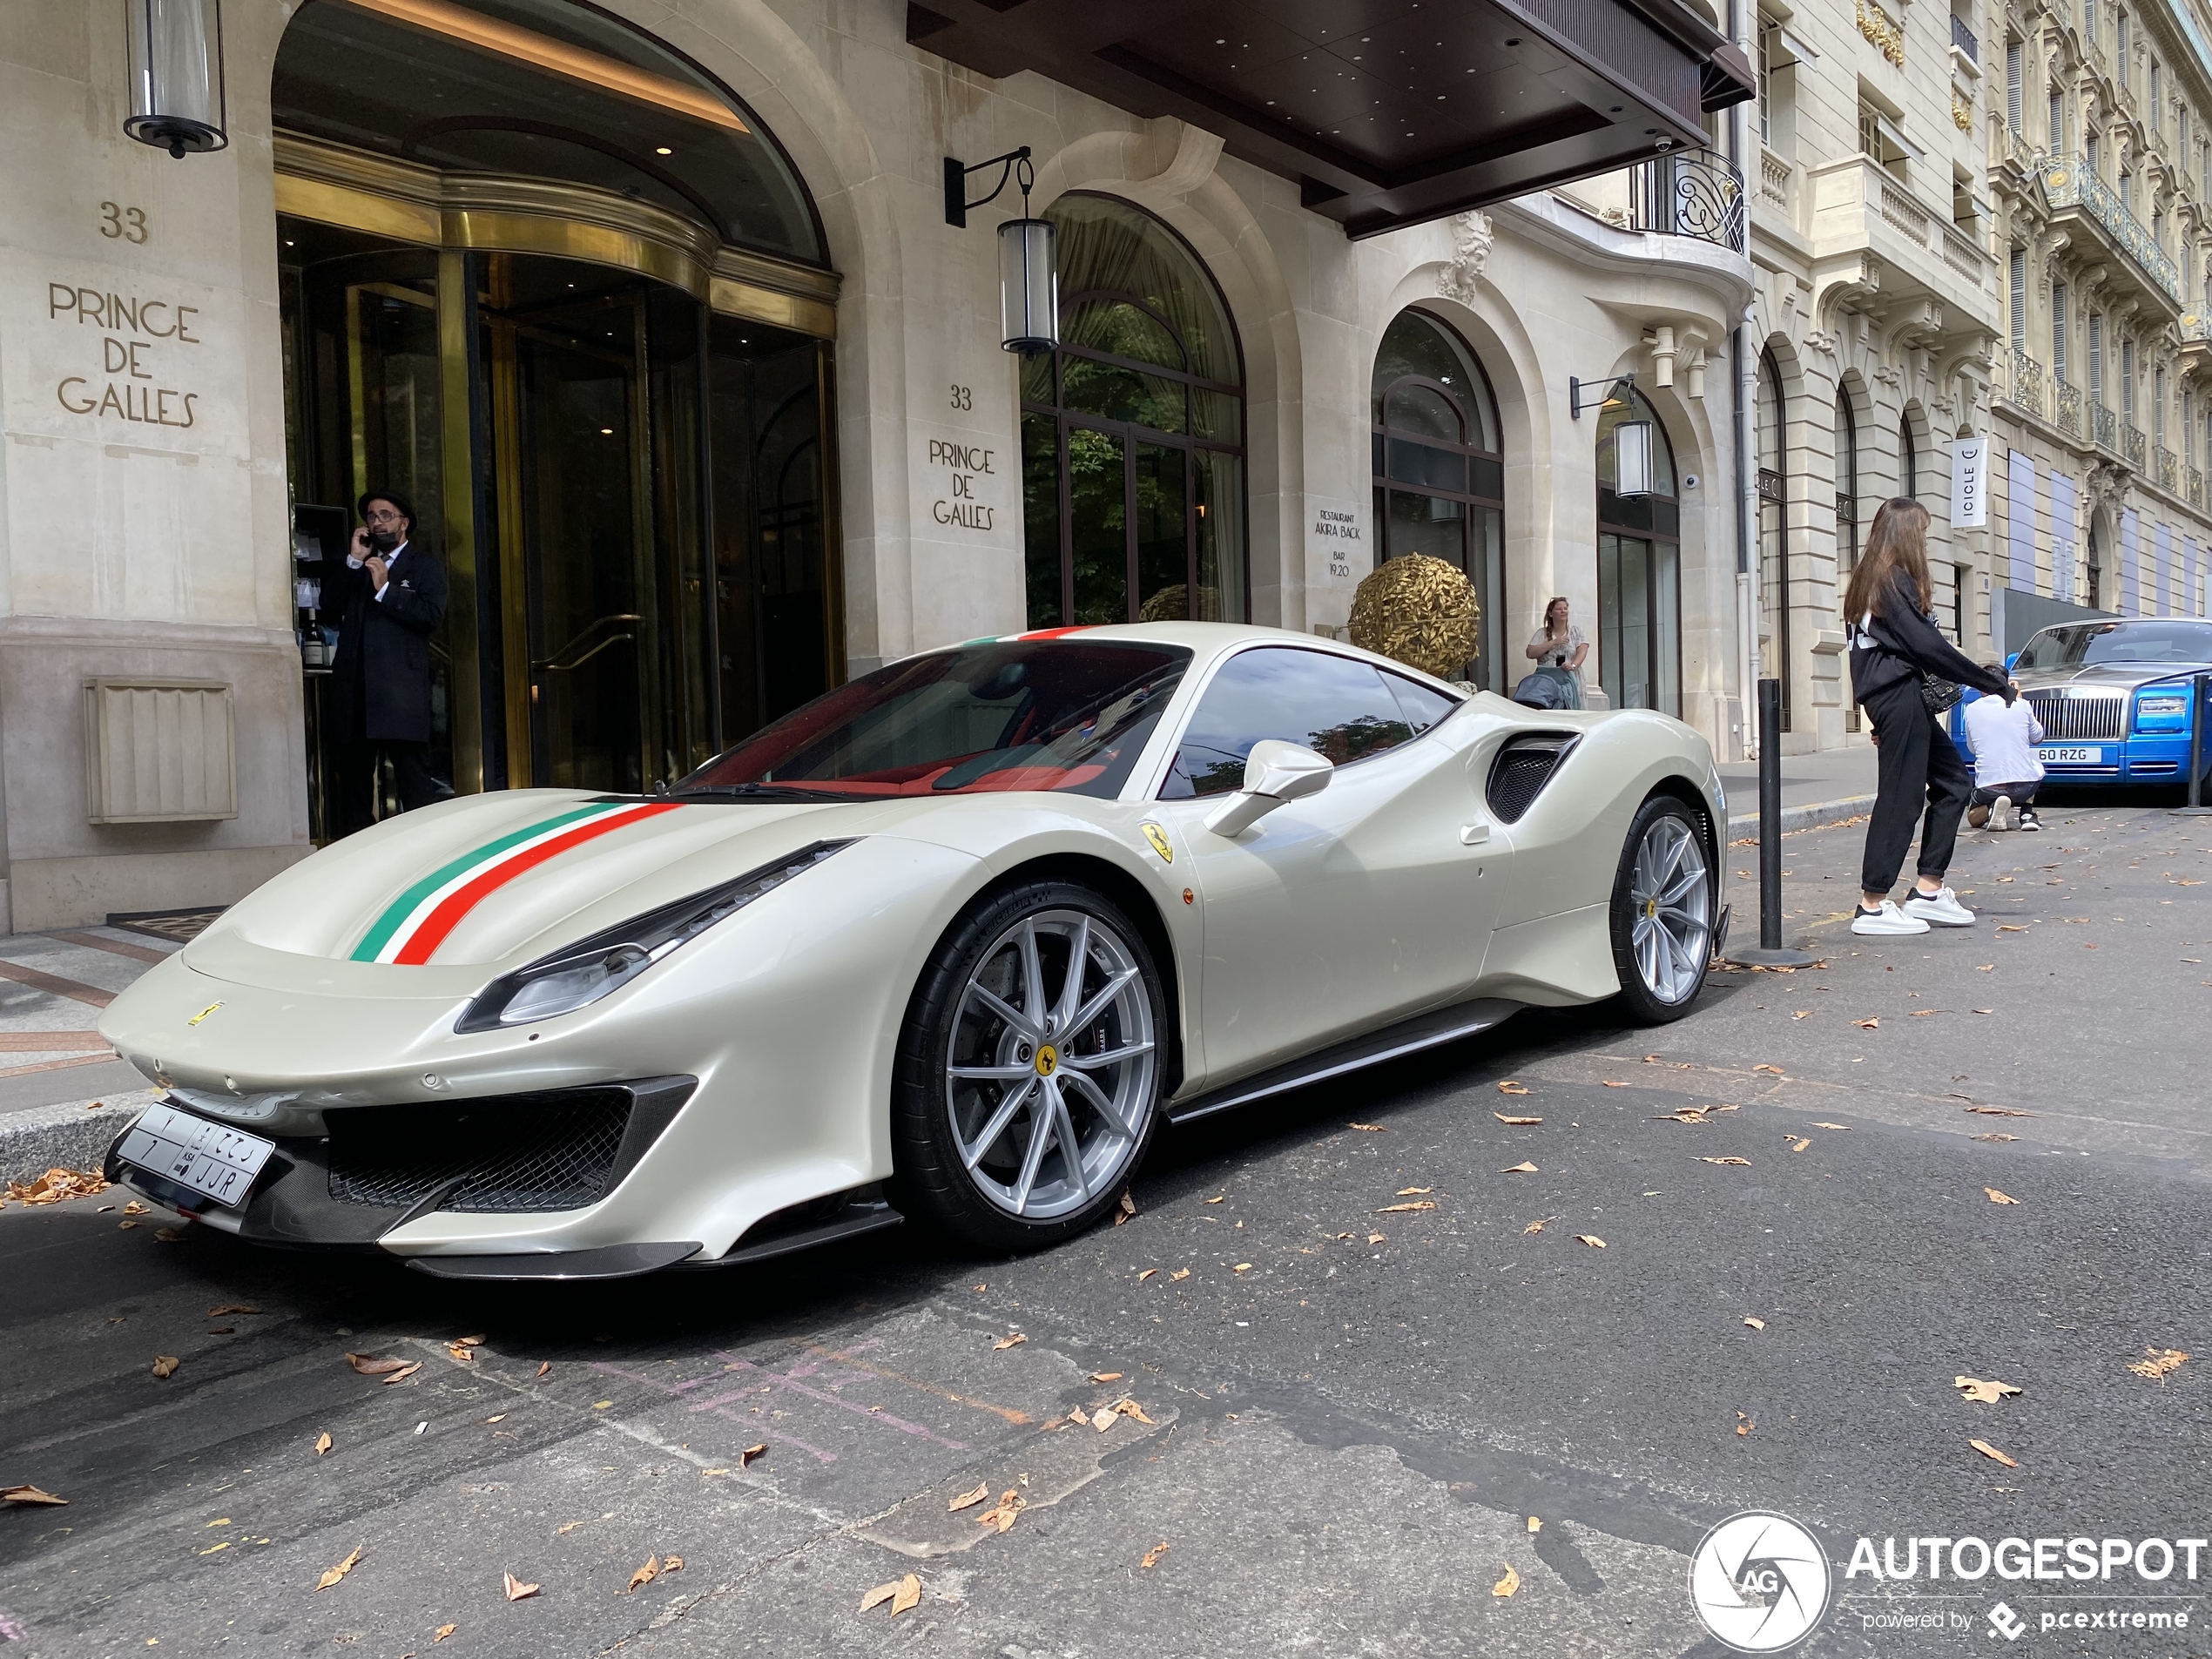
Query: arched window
{"x":1133,"y":432}
{"x":1774,"y":532}
{"x":1908,"y":460}
{"x":1438,"y":469}
{"x":1846,"y":509}
{"x":1639,"y":565}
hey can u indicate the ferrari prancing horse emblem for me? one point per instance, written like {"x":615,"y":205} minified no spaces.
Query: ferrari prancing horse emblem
{"x":1159,"y":837}
{"x":203,"y":1013}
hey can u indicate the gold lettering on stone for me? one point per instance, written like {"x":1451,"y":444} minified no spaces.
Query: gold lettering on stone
{"x":129,"y":325}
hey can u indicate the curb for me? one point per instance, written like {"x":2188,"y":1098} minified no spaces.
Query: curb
{"x":1812,"y":815}
{"x":74,"y":1135}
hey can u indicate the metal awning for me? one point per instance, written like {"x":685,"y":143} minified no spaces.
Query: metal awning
{"x":1387,"y":112}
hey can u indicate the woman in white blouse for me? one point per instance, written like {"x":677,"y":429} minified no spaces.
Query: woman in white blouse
{"x":1559,"y":644}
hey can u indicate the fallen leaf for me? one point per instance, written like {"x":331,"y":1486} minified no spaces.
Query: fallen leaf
{"x":1509,"y":1087}
{"x":1533,"y":1227}
{"x":1922,"y":1014}
{"x":1802,"y":1014}
{"x":323,"y":1443}
{"x":1731,"y":1158}
{"x":1506,"y":1585}
{"x":1105,"y":1376}
{"x":470,"y":1342}
{"x":746,"y":1457}
{"x":1534,"y":1525}
{"x":1985,"y":1010}
{"x":1394,"y":1208}
{"x":1757,"y":1324}
{"x":1242,"y":1267}
{"x":165,"y":1365}
{"x":1413,"y":1192}
{"x":1124,"y":1209}
{"x":1744,"y":1423}
{"x":2007,"y":927}
{"x":1011,"y":1503}
{"x":403,"y":1373}
{"x":1844,"y":1127}
{"x":1103,"y":1418}
{"x":1219,"y":1197}
{"x":1374,"y":1239}
{"x":1520,"y":1169}
{"x":970,"y":1500}
{"x":1987,"y":1392}
{"x":134,"y":1208}
{"x":562,"y":1532}
{"x":1992,"y":1452}
{"x":2158,"y":1364}
{"x":369,"y":1367}
{"x":1867,"y":1025}
{"x":1776,"y":1070}
{"x":229,"y":1308}
{"x":1179,"y":1273}
{"x":444,"y":1630}
{"x":1996,"y":1197}
{"x":702,"y":1472}
{"x":645,"y":1575}
{"x":28,"y":1495}
{"x":1681,"y":1115}
{"x":168,"y":1235}
{"x":1516,"y":1122}
{"x":1997,"y":1111}
{"x":58,"y":1184}
{"x":671,"y":1564}
{"x":1372,"y":1128}
{"x":518,"y":1591}
{"x":499,"y":1418}
{"x":1992,"y":1137}
{"x":1610,"y":1084}
{"x":1146,"y":1274}
{"x":342,"y":1569}
{"x":1151,"y":1557}
{"x":1129,"y":1408}
{"x":545,"y":1368}
{"x":909,"y":1596}
{"x":1798,"y":1144}
{"x":466,"y":1356}
{"x":1591,"y":1239}
{"x":1015,"y":1340}
{"x":879,"y":1595}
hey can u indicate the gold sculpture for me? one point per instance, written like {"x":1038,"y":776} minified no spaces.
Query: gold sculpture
{"x":1421,"y":611}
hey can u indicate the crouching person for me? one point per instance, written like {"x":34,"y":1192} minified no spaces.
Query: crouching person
{"x":2007,"y":769}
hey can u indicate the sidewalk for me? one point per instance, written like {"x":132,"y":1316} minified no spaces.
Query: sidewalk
{"x":64,"y":1095}
{"x":1817,"y":789}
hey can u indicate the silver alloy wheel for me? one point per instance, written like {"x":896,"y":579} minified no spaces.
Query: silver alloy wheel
{"x":1672,"y":930}
{"x":1049,"y":1076}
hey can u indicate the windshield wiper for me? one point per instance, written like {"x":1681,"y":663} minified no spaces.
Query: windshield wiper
{"x":776,"y":793}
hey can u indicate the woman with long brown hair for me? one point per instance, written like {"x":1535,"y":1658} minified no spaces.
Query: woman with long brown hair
{"x":1906,"y":676}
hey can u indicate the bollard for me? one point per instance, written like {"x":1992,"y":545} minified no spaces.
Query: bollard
{"x":1770,"y":952}
{"x":2197,"y":808}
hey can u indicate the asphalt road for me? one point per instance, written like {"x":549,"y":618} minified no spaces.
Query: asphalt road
{"x":1343,"y":1437}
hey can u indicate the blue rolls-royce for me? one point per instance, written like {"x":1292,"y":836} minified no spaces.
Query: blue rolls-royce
{"x":2113,"y":697}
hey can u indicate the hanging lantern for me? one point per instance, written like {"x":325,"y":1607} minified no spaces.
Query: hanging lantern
{"x":1028,"y":285}
{"x":176,"y":74}
{"x":1632,"y":458}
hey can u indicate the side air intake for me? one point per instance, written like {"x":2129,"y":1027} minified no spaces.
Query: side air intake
{"x":1522,"y":769}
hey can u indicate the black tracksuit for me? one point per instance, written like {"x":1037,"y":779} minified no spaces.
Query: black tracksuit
{"x":1918,"y":767}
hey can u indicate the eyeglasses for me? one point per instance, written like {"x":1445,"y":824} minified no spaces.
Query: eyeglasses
{"x":384,"y":515}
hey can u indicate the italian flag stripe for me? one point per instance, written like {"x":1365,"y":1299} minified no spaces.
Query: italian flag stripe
{"x":415,"y":924}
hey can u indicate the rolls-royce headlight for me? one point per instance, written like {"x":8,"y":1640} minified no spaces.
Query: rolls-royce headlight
{"x":581,"y":973}
{"x":2161,"y":710}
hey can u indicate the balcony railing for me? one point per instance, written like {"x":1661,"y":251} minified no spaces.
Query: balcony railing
{"x":1963,"y":37}
{"x":2069,"y":182}
{"x":2135,"y":447}
{"x":2027,"y":383}
{"x":2104,"y":428}
{"x":2197,"y":325}
{"x":2169,"y":469}
{"x":1695,"y":193}
{"x":2195,"y":486}
{"x":2066,"y":407}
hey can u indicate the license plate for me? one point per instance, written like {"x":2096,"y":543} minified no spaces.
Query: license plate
{"x":2074,"y":754}
{"x":212,"y":1158}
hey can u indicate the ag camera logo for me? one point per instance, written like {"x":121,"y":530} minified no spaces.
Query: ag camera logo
{"x":1759,"y":1581}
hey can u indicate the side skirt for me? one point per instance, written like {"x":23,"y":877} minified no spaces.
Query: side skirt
{"x":1428,"y":1030}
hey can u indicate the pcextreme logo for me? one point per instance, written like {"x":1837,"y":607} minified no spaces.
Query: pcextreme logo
{"x":1759,"y":1581}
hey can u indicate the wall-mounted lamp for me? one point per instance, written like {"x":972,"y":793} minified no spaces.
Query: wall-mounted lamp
{"x":176,"y":74}
{"x":1632,"y":458}
{"x":1028,"y":254}
{"x":1610,"y":391}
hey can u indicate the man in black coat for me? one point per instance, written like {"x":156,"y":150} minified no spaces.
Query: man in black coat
{"x":394,"y":599}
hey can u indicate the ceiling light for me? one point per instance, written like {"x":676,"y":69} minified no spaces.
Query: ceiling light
{"x":663,"y":150}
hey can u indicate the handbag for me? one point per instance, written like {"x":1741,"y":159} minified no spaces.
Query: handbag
{"x":1941,"y":696}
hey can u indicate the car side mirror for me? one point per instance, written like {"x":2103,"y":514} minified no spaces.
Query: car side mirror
{"x":1275,"y":772}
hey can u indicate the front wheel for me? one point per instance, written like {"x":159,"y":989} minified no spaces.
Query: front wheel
{"x":1029,"y":1073}
{"x":1661,"y":913}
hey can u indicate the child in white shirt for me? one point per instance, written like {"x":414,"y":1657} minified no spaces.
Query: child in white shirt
{"x":2006,"y":768}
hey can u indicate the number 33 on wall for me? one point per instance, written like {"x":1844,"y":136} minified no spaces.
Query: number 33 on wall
{"x":128,"y":223}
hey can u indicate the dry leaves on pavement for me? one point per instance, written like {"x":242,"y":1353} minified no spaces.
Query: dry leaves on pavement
{"x":1776,"y":1070}
{"x":1536,"y":1226}
{"x":1008,"y":1342}
{"x":1997,"y":1111}
{"x":1992,"y":1453}
{"x":2158,"y":1364}
{"x":1520,"y":1169}
{"x":1219,"y":1197}
{"x":1992,"y":1137}
{"x":342,"y":1569}
{"x":644,"y":1576}
{"x":1996,"y":1197}
{"x":1395,"y":1208}
{"x":1242,"y":1267}
{"x":1129,"y":1408}
{"x":518,"y":1591}
{"x":1372,"y":1128}
{"x":1011,"y":1503}
{"x":1757,"y":1324}
{"x":1591,"y":1239}
{"x":1731,"y":1159}
{"x":1867,"y":1025}
{"x":1151,"y":1557}
{"x":1179,"y":1273}
{"x":1744,"y":1423}
{"x":1516,"y":1122}
{"x":903,"y":1594}
{"x":746,"y":1457}
{"x":1988,"y":1392}
{"x":1124,"y":1211}
{"x":28,"y":1495}
{"x":1610,"y":1083}
{"x":229,"y":1308}
{"x":443,"y":1631}
{"x":1374,"y":1239}
{"x":1846,"y":1127}
{"x":165,"y":1365}
{"x":1412,"y":1192}
{"x":1509,"y":1087}
{"x":970,"y":1500}
{"x":1797,"y":1143}
{"x":1534,"y":1525}
{"x":57,"y":1185}
{"x":371,"y":1367}
{"x":1508,"y":1584}
{"x":1146,"y":1274}
{"x":323,"y":1443}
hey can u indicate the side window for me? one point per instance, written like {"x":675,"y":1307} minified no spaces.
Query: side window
{"x":1423,"y":707}
{"x":1330,"y":704}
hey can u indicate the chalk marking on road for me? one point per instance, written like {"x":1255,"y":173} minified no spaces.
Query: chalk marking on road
{"x":1018,"y":1418}
{"x":780,"y":1380}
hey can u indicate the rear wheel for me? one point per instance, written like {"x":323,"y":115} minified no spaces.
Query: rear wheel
{"x":1661,"y":913}
{"x":1028,"y":1071}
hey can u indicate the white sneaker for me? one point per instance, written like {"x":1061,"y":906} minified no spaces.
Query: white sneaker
{"x":2000,"y":811}
{"x":1888,"y":919}
{"x":1942,"y":908}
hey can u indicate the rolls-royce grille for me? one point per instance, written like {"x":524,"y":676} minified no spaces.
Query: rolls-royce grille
{"x":521,"y":1152}
{"x":2071,"y":717}
{"x":1522,"y":769}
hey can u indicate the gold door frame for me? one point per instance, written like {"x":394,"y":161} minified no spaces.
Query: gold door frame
{"x":461,"y":214}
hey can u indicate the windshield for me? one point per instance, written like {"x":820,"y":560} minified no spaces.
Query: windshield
{"x":2084,"y":644}
{"x":1047,"y":714}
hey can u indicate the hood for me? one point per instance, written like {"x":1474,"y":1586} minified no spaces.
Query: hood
{"x":2108,"y":678}
{"x":504,"y":878}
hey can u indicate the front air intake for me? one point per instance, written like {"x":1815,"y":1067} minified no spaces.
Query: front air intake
{"x":1522,"y":769}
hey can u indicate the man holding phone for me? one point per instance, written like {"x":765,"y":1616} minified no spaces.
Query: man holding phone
{"x":395,"y":598}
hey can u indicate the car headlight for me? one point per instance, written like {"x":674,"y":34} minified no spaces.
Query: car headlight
{"x":2162,"y":709}
{"x":581,"y":973}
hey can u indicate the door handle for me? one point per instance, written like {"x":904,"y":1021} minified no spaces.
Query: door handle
{"x":595,"y":637}
{"x":1474,"y":834}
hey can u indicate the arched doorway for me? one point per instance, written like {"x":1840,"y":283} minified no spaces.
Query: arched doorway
{"x":1639,"y":571}
{"x":1133,"y":432}
{"x":548,"y":278}
{"x":1440,"y":467}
